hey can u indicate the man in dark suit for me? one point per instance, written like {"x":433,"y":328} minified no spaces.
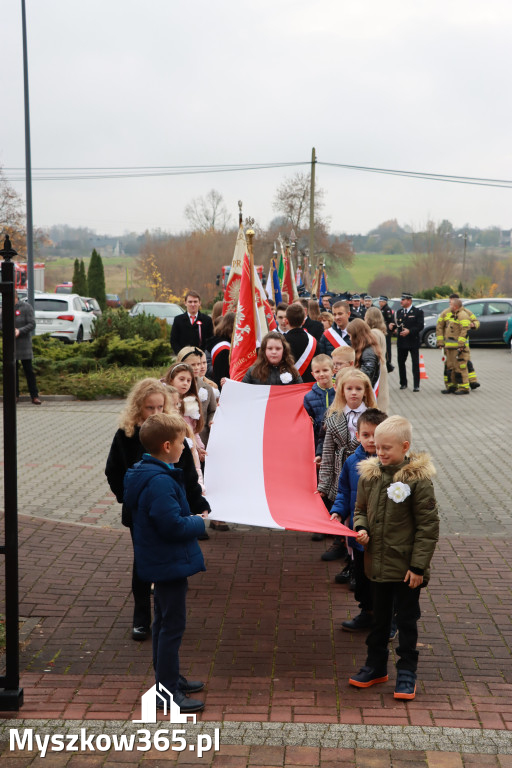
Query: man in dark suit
{"x":193,"y":328}
{"x":314,"y":327}
{"x":409,"y":324}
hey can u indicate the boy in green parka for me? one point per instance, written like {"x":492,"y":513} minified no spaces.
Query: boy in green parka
{"x":397,"y":521}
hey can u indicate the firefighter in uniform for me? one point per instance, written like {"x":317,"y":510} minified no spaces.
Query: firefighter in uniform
{"x":409,"y":323}
{"x":452,"y":331}
{"x":475,"y":323}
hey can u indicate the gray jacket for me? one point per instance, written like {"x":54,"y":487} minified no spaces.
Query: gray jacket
{"x":25,"y":322}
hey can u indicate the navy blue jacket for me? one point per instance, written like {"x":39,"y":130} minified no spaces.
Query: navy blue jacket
{"x":345,"y":501}
{"x":316,"y":406}
{"x":164,"y":531}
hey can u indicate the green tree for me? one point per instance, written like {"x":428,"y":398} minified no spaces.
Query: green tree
{"x":79,"y":278}
{"x":96,"y":280}
{"x":76,"y":276}
{"x":84,"y":286}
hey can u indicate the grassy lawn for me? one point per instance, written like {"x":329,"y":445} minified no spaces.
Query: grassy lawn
{"x":116,"y":268}
{"x":365,"y":268}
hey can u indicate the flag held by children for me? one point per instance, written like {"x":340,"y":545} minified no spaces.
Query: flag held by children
{"x":260,"y":466}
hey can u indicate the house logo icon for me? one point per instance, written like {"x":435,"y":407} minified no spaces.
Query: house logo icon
{"x":148,"y":706}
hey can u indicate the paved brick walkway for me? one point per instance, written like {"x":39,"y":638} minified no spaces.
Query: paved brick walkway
{"x":263,"y":625}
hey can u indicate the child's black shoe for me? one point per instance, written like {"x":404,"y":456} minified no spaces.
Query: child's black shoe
{"x":368,"y":676}
{"x":405,"y":687}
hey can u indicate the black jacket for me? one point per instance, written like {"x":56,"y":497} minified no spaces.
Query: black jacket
{"x":220,"y":366}
{"x":127,"y":451}
{"x":184,"y":334}
{"x":388,"y":315}
{"x":413,"y":320}
{"x":274,"y":377}
{"x":298,"y":340}
{"x":314,"y":327}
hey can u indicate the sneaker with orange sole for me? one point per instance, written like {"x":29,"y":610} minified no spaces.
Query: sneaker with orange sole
{"x":405,"y":687}
{"x":368,"y":676}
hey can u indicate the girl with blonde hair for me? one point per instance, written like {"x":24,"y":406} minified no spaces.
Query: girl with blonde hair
{"x":146,"y":397}
{"x":375,"y":321}
{"x":368,"y":355}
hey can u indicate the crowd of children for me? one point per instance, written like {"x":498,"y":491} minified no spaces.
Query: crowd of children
{"x":367,"y":477}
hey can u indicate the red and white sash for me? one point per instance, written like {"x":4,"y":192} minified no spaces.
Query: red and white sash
{"x":376,"y":388}
{"x":335,"y":338}
{"x":304,"y":360}
{"x":218,"y":348}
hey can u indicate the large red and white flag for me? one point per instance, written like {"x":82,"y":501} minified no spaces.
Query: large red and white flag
{"x":260,"y":469}
{"x":235,"y":274}
{"x":245,"y":334}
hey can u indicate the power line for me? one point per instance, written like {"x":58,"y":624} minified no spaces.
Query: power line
{"x":55,"y":173}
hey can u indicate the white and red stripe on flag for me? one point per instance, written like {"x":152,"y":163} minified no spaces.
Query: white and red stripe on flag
{"x":249,"y":477}
{"x":304,"y":360}
{"x":335,"y":338}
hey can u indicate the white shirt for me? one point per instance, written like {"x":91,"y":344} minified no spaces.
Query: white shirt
{"x":352,"y":418}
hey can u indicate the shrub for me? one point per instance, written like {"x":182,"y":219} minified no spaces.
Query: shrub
{"x":118,"y":321}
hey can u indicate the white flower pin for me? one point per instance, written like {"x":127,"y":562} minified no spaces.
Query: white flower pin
{"x":286,"y":377}
{"x":399,"y":492}
{"x":190,"y":407}
{"x":203,"y":394}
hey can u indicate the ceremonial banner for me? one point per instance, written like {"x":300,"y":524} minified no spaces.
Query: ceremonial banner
{"x":323,"y":284}
{"x":243,"y":349}
{"x":267,"y":321}
{"x":288,"y":284}
{"x":259,"y":468}
{"x":235,"y":274}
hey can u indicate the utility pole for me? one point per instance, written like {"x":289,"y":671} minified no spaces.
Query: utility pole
{"x":312,"y":208}
{"x":28,"y":165}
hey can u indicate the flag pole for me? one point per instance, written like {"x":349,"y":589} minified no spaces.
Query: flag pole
{"x":249,"y":234}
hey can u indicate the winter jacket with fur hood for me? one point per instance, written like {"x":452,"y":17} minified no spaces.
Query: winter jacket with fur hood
{"x":403,"y":535}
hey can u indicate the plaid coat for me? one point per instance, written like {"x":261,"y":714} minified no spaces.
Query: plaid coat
{"x":338,"y":445}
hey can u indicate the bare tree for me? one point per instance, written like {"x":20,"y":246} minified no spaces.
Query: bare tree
{"x":292,"y":200}
{"x":435,"y":256}
{"x":208,"y":213}
{"x":12,"y":215}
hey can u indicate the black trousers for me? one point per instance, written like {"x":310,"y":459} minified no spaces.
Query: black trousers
{"x":142,"y":598}
{"x":389,"y":596}
{"x":168,"y":628}
{"x":30,"y":377}
{"x":401,"y":354}
{"x":363,"y":591}
{"x":388,"y":348}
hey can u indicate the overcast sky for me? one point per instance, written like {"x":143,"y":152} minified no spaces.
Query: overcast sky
{"x":402,"y":84}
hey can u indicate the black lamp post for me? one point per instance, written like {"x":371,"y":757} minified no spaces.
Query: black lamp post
{"x":11,"y":695}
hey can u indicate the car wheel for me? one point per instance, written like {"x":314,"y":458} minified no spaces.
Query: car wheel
{"x":80,"y":334}
{"x":429,"y":339}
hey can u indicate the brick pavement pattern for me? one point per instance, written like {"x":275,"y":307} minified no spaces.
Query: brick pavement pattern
{"x":263,"y":625}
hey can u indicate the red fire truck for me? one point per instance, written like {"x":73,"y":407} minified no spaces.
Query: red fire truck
{"x":20,"y":272}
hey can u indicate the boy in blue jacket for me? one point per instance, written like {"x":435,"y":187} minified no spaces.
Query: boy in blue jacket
{"x":343,"y":509}
{"x":165,"y":545}
{"x":319,"y":398}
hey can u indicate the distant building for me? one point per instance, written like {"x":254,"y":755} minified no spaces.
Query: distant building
{"x":506,"y":238}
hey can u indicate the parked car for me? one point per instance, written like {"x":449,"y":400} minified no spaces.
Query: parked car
{"x":159,"y":309}
{"x":93,"y":304}
{"x":492,"y":314}
{"x":63,"y":316}
{"x":397,"y":303}
{"x":113,"y":300}
{"x":64,"y":288}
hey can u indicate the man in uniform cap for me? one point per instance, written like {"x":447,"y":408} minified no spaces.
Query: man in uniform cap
{"x":367,"y":303}
{"x":409,"y":324}
{"x":355,"y":306}
{"x":389,"y":320}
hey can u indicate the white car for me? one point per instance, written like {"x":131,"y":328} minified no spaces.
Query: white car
{"x":64,"y":316}
{"x":164,"y":310}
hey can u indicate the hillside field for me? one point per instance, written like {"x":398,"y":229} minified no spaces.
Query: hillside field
{"x":120,"y":271}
